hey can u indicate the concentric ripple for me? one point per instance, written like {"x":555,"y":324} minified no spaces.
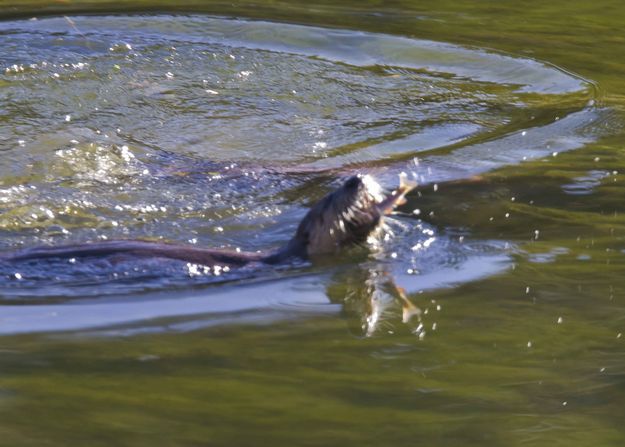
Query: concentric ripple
{"x":221,"y":132}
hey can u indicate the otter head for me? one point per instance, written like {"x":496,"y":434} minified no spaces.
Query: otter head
{"x":346,"y":216}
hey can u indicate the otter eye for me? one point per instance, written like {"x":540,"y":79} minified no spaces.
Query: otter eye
{"x":353,"y":182}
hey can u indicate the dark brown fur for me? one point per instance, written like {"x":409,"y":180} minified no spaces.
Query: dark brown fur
{"x":344,"y":217}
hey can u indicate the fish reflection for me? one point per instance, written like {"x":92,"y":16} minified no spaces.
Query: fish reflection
{"x":371,"y":300}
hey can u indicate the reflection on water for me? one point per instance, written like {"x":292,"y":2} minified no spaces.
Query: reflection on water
{"x":61,"y":295}
{"x":490,"y":313}
{"x":218,"y":132}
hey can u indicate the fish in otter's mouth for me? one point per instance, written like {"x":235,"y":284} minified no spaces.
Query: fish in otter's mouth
{"x":346,"y":216}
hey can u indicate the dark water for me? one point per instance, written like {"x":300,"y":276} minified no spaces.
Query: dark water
{"x":490,"y":311}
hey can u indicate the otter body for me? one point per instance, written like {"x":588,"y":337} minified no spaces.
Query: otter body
{"x":139,"y":249}
{"x":346,"y":216}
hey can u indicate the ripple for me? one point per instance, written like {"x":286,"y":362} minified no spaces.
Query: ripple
{"x":586,"y":184}
{"x":221,"y":132}
{"x":229,"y":89}
{"x":249,"y":302}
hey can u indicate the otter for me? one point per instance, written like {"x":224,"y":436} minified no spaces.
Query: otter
{"x":344,"y":217}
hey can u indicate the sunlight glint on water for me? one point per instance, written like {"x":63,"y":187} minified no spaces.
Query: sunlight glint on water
{"x":490,"y":316}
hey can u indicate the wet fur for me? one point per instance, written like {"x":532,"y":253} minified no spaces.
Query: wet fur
{"x":342,"y":218}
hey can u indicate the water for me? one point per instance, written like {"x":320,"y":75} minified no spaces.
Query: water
{"x":490,"y":313}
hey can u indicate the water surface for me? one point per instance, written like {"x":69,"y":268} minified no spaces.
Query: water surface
{"x":489,"y":313}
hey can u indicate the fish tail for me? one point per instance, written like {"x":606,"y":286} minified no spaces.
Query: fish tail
{"x":406,"y":184}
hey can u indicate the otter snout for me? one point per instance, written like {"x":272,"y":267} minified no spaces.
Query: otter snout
{"x":346,"y":216}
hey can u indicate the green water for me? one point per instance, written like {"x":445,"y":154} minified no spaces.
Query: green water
{"x":531,"y":352}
